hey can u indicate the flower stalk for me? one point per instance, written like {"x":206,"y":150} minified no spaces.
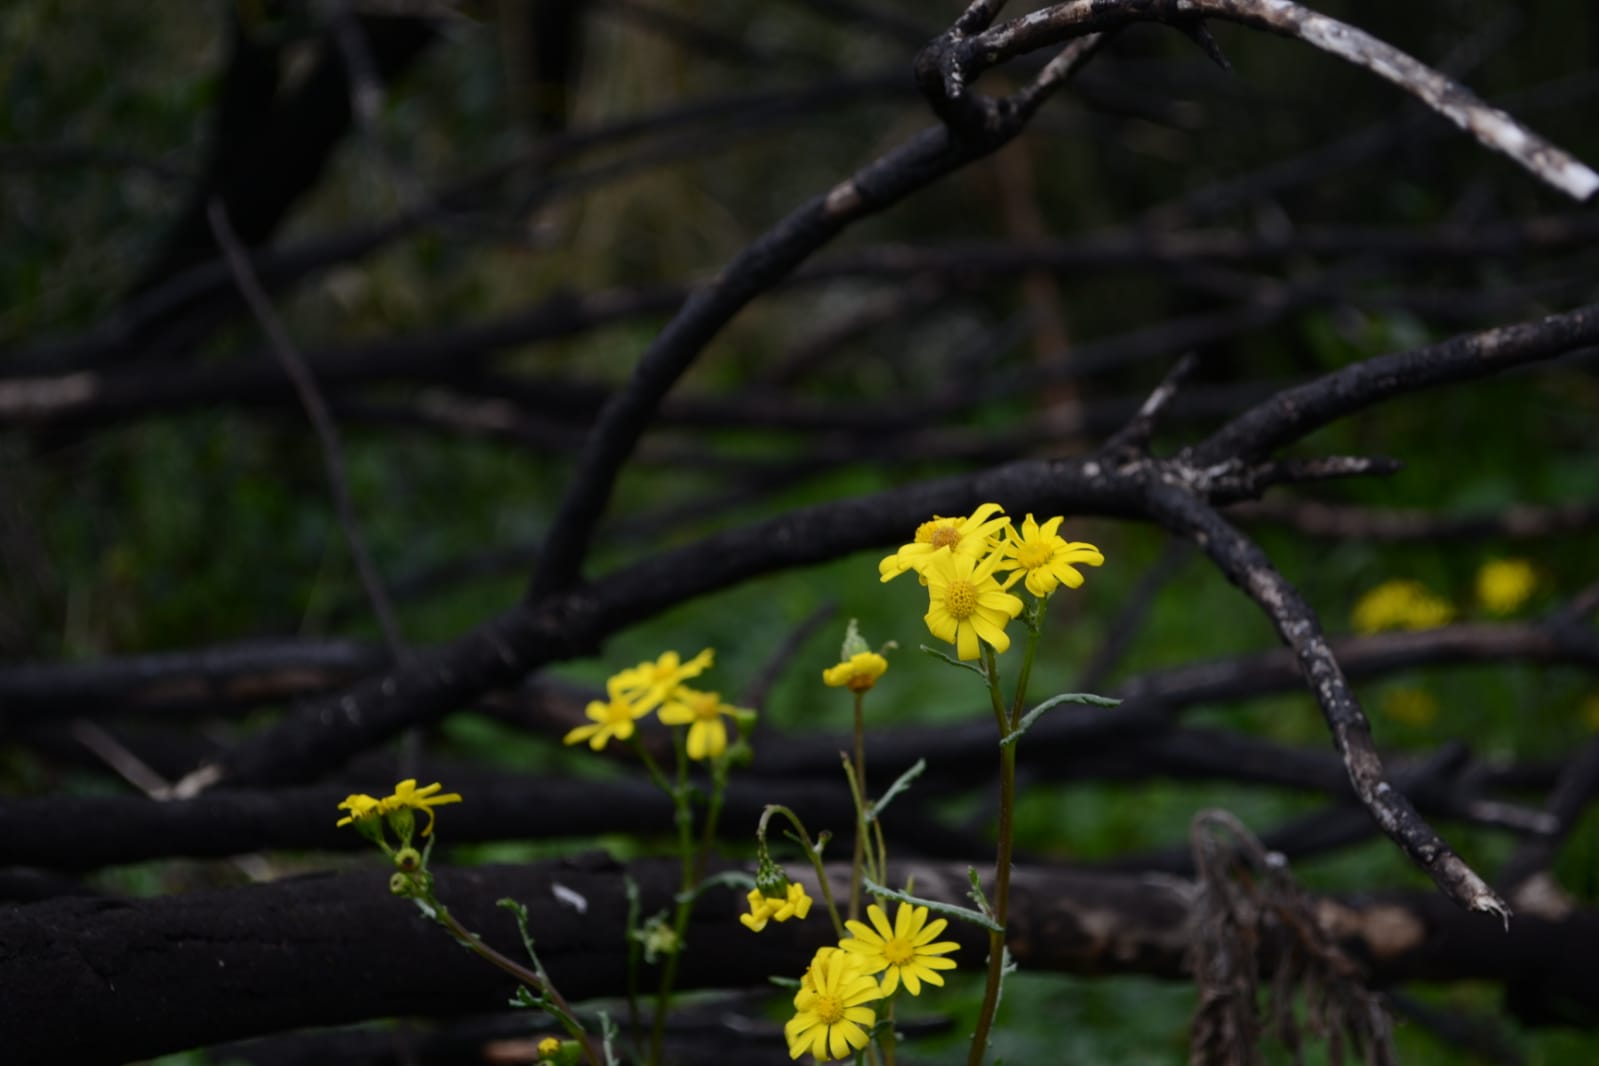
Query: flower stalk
{"x":857,"y":863}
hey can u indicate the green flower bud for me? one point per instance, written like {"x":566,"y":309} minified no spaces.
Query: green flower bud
{"x":403,"y":822}
{"x":854,"y":643}
{"x":770,"y":878}
{"x":400,"y":885}
{"x":408,"y":860}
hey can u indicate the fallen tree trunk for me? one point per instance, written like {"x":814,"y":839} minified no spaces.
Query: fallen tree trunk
{"x":103,"y":980}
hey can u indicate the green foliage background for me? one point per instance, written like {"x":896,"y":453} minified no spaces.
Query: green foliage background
{"x":215,"y":526}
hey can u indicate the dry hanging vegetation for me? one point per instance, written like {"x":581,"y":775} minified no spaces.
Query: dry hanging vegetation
{"x":370,"y":370}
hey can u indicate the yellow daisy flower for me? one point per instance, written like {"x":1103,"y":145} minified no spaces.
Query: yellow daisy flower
{"x":361,"y":807}
{"x":406,"y":794}
{"x":971,"y":535}
{"x":857,"y":673}
{"x":1503,"y":585}
{"x":702,"y":712}
{"x":612,"y":717}
{"x":906,"y":952}
{"x":967,"y":604}
{"x":650,"y":684}
{"x":831,"y":1020}
{"x":1045,"y":558}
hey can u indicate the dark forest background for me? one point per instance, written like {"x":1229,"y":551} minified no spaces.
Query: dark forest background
{"x":471,"y":225}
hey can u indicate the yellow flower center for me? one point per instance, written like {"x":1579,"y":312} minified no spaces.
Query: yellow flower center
{"x":704,"y":707}
{"x":1033,"y":555}
{"x":924,"y":532}
{"x":618,"y":711}
{"x":960,"y":598}
{"x":828,"y":1009}
{"x":944,"y":536}
{"x":898,"y":952}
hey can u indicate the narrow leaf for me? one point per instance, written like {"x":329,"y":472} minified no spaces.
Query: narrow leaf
{"x":973,"y":667}
{"x":1033,"y":715}
{"x":900,"y":785}
{"x":937,"y":907}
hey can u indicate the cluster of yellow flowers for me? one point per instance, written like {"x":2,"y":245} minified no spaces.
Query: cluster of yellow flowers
{"x":833,"y":1009}
{"x":1400,"y":605}
{"x":793,"y":903}
{"x":969,"y":563}
{"x":1503,"y":586}
{"x":365,"y":810}
{"x":635,"y":692}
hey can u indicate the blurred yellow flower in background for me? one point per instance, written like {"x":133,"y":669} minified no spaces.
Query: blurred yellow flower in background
{"x":702,"y":712}
{"x":610,"y":717}
{"x":1400,"y":605}
{"x":1503,"y":585}
{"x":857,"y":673}
{"x":1411,"y":706}
{"x":1590,"y":712}
{"x":651,"y":683}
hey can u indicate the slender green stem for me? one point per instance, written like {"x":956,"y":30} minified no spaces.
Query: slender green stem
{"x":634,"y":950}
{"x":811,"y":853}
{"x":683,"y":816}
{"x":881,"y":873}
{"x":865,"y":859}
{"x":1035,"y":627}
{"x":713,"y":814}
{"x":886,"y":1041}
{"x":856,"y":864}
{"x":995,"y":697}
{"x":652,"y":767}
{"x":1001,"y":893}
{"x":563,"y":1010}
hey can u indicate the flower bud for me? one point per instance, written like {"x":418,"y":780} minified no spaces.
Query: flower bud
{"x":403,"y":822}
{"x":854,"y":643}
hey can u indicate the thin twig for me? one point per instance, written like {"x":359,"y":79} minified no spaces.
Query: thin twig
{"x":316,"y":410}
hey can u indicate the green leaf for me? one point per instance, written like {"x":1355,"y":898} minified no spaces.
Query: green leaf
{"x":973,"y":667}
{"x":1033,"y":715}
{"x":936,"y":906}
{"x":900,"y":785}
{"x":521,"y":925}
{"x":737,"y":880}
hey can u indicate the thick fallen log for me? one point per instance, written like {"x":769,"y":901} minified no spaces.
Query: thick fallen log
{"x":108,"y":980}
